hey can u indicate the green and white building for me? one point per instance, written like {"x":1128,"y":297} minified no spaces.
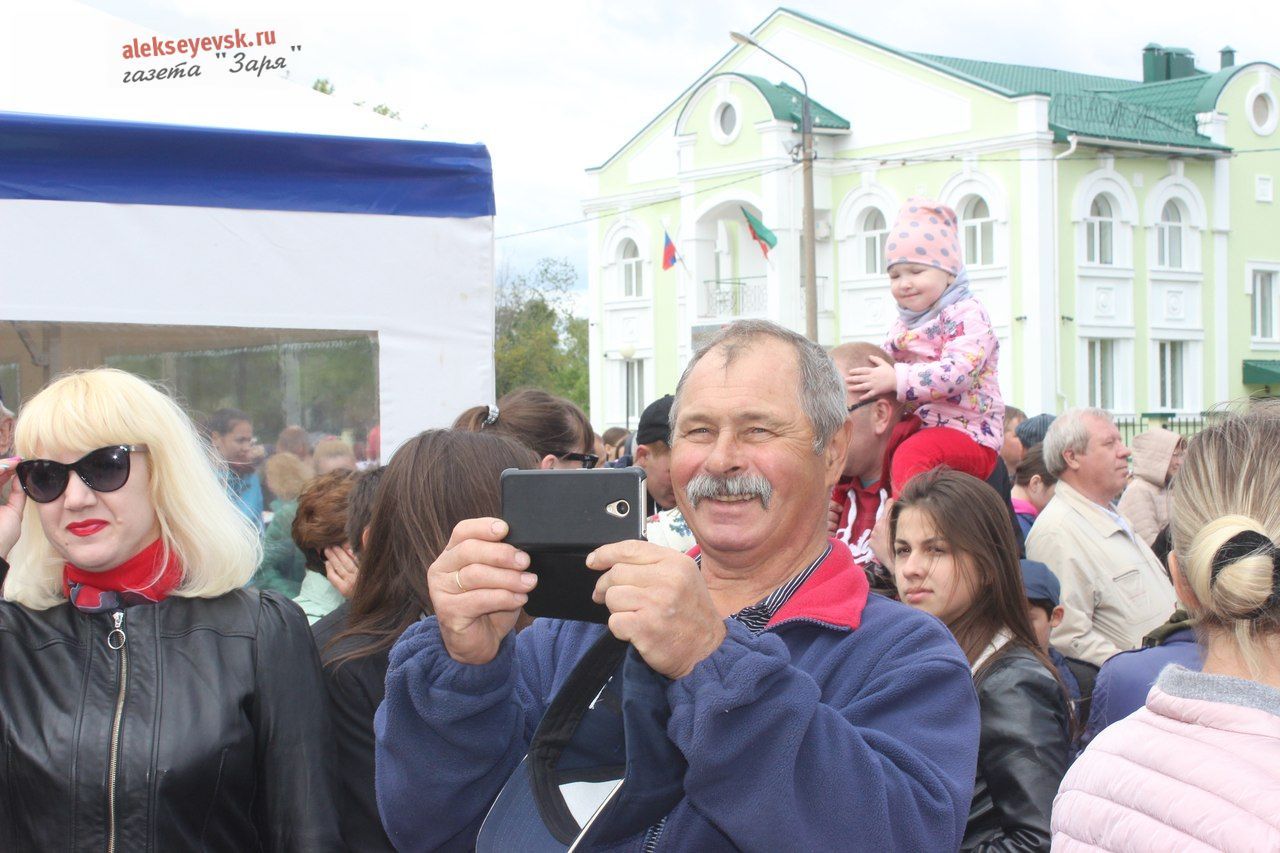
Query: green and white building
{"x":1123,"y":234}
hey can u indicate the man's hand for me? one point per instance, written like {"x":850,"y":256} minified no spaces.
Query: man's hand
{"x":341,"y":568}
{"x":478,"y":586}
{"x":659,"y":603}
{"x":869,"y":382}
{"x":11,"y":510}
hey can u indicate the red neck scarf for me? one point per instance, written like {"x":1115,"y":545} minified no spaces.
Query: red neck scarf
{"x":139,"y":579}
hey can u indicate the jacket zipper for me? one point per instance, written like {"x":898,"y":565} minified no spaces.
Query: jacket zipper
{"x":116,"y":641}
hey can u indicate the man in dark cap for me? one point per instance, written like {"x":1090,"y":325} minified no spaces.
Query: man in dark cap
{"x":653,"y":454}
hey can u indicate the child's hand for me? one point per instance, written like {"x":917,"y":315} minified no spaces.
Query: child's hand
{"x":871,"y":382}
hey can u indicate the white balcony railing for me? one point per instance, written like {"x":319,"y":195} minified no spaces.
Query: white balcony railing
{"x":734,"y":297}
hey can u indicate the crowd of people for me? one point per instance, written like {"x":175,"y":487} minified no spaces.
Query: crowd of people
{"x":875,"y":608}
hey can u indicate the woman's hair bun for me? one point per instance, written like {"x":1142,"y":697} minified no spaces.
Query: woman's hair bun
{"x":1235,"y":569}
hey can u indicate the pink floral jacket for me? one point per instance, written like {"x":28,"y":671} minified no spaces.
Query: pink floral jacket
{"x":947,"y":371}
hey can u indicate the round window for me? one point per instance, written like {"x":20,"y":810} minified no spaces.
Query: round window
{"x":727,"y":119}
{"x":1262,"y":109}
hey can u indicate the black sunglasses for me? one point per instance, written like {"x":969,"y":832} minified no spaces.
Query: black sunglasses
{"x":588,"y":460}
{"x":859,"y":405}
{"x":103,"y":470}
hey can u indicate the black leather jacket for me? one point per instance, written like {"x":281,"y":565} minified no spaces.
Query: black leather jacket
{"x":1022,"y":754}
{"x":199,"y":724}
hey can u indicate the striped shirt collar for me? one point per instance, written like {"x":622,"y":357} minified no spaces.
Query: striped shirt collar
{"x":756,"y":616}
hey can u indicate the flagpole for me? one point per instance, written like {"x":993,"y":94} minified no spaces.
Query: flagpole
{"x":809,"y":251}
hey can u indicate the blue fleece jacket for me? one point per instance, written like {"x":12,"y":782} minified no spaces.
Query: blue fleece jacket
{"x":808,"y":736}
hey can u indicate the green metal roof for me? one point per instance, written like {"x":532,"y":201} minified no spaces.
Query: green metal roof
{"x":1087,"y":104}
{"x":1026,"y":79}
{"x":1260,"y":372}
{"x":787,"y":104}
{"x":1105,"y":107}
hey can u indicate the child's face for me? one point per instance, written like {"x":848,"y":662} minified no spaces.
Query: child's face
{"x":915,"y":287}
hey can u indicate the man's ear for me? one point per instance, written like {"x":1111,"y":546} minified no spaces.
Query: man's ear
{"x":836,"y":451}
{"x":1069,"y":457}
{"x":1055,"y":618}
{"x":882,"y":413}
{"x":642,"y":455}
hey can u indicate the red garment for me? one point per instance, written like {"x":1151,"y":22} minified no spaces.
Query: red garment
{"x":935,"y":446}
{"x":832,"y":595}
{"x":860,"y":505}
{"x":140,"y":578}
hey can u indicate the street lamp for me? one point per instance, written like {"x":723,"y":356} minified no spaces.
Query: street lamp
{"x":810,"y":253}
{"x":628,"y":352}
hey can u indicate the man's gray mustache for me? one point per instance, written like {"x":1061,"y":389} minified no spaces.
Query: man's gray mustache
{"x":741,"y":485}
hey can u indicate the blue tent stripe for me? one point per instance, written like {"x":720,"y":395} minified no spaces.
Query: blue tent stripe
{"x":74,"y":159}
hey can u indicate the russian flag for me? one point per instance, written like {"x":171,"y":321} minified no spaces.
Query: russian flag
{"x":668,"y":251}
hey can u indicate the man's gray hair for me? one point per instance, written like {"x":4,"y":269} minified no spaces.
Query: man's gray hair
{"x":821,"y":392}
{"x":1069,"y":431}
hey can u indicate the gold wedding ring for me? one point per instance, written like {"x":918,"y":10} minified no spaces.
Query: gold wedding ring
{"x":457,"y":578}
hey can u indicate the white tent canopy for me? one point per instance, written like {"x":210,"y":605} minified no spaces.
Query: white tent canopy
{"x":105,"y":222}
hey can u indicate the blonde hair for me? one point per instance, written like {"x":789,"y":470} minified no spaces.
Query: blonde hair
{"x":88,"y":409}
{"x":1225,"y":522}
{"x":286,"y":474}
{"x":332,"y":448}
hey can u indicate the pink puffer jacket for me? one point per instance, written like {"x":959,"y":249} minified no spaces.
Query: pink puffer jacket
{"x":1182,"y":773}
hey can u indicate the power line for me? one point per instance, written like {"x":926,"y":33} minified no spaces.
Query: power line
{"x":583,"y":221}
{"x":882,"y":161}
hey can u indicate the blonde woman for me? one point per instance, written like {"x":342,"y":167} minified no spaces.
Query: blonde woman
{"x":1199,"y":765}
{"x":148,"y":700}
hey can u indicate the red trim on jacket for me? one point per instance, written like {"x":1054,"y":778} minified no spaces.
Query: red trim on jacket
{"x":835,"y":594}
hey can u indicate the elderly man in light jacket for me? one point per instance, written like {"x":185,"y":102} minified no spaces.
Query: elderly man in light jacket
{"x":1114,"y":589}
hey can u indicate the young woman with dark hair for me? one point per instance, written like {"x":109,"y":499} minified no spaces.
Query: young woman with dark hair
{"x":954,"y":557}
{"x":433,"y":481}
{"x":550,"y":426}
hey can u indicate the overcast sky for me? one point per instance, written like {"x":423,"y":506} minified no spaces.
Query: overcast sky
{"x":555,"y":87}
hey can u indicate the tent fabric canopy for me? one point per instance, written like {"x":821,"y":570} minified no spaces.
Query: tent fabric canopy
{"x":143,"y":225}
{"x":77,"y":159}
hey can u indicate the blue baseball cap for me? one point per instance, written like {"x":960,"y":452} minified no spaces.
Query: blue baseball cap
{"x":1040,"y":583}
{"x":600,"y":768}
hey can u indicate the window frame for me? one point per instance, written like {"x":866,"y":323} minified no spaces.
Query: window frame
{"x":1171,"y":384}
{"x":630,"y":283}
{"x":1096,"y":227}
{"x":1253,"y":274}
{"x":1094,"y":373}
{"x":982,"y":229}
{"x":871,"y":241}
{"x":1170,"y":234}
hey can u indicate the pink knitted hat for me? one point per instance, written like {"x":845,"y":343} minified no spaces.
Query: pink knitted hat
{"x":924,"y":233}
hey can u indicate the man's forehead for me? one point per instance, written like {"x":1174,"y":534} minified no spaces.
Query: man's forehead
{"x":1101,"y":429}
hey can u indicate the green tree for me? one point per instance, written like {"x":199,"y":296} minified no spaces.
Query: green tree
{"x":323,"y":86}
{"x":538,"y":343}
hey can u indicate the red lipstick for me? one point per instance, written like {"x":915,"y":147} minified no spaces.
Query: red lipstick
{"x":88,"y":527}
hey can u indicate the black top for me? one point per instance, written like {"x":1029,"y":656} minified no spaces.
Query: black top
{"x":1022,"y":754}
{"x":187,"y":724}
{"x":355,"y":692}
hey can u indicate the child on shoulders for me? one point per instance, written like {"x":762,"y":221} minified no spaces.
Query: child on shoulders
{"x":943,"y":349}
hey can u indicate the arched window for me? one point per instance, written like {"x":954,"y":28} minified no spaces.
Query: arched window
{"x":978,"y":229}
{"x":1100,"y":229}
{"x":629,"y":269}
{"x":872,"y":233}
{"x":1170,"y":233}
